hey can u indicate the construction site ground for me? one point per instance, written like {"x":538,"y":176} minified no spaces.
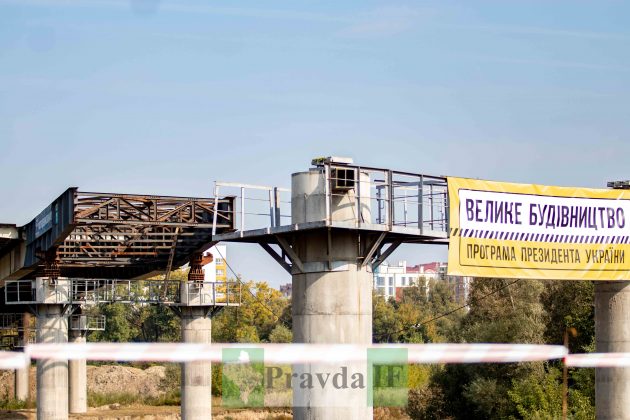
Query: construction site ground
{"x":112,"y":379}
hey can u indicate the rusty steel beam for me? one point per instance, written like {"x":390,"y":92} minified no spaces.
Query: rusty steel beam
{"x":137,"y":233}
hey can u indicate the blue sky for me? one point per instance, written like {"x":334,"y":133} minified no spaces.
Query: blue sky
{"x":165,"y":97}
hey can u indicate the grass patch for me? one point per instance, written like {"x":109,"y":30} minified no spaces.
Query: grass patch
{"x":96,"y":399}
{"x":13,"y":404}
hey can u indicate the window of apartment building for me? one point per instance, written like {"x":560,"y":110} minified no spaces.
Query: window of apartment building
{"x":220,"y":272}
{"x":380,"y":281}
{"x":391,"y":291}
{"x":219,"y":260}
{"x":404,"y":281}
{"x":391,"y":281}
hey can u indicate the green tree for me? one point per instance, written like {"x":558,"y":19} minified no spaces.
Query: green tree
{"x":385,"y":324}
{"x":261,"y":310}
{"x":118,"y":327}
{"x":159,"y":324}
{"x":500,"y":312}
{"x":280,"y":334}
{"x":569,"y":305}
{"x":417,"y":318}
{"x":508,"y":311}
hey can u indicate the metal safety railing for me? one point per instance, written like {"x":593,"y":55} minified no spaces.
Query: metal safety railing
{"x":17,"y":341}
{"x":11,"y":321}
{"x":255,"y":206}
{"x":19,"y":291}
{"x":355,"y":196}
{"x":87,"y":322}
{"x":95,"y":291}
{"x":386,"y":197}
{"x":211,"y":293}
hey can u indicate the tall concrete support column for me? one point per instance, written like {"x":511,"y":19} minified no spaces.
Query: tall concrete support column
{"x":22,"y":384}
{"x":52,"y":375}
{"x":331,"y":298}
{"x":612,"y":334}
{"x":22,"y":376}
{"x":196,"y":382}
{"x":77,"y":374}
{"x":332,"y":307}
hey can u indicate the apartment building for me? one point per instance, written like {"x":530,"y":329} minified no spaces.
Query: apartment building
{"x":390,"y":280}
{"x":216,"y":271}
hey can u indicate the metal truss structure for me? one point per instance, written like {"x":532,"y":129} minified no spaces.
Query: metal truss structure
{"x":87,"y":234}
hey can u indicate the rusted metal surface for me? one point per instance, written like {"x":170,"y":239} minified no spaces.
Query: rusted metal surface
{"x":51,"y":263}
{"x":197,"y":261}
{"x":87,"y":234}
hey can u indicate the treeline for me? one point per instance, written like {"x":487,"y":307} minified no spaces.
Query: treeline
{"x":499,"y":311}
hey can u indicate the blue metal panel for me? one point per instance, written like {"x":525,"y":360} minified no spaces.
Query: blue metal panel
{"x":51,"y":226}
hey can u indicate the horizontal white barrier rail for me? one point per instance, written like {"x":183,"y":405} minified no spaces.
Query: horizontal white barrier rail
{"x":310,"y":353}
{"x":595,"y":360}
{"x":10,"y":360}
{"x":296,"y":353}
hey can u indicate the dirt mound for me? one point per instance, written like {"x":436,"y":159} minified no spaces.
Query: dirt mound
{"x":108,"y":379}
{"x":116,"y":379}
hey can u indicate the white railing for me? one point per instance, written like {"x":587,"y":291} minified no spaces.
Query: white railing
{"x":94,"y":291}
{"x":255,"y":206}
{"x":211,"y":294}
{"x":11,"y":321}
{"x":87,"y":322}
{"x":355,"y":196}
{"x":389,"y":198}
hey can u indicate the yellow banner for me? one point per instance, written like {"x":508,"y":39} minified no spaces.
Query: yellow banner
{"x":506,"y":230}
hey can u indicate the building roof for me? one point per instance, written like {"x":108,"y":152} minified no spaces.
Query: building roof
{"x":428,"y":268}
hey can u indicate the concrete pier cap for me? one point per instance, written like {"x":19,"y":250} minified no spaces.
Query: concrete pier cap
{"x":314,"y":198}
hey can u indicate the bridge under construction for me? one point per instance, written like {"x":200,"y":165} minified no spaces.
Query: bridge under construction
{"x":344,"y":221}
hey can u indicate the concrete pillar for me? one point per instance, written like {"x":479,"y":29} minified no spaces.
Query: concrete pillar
{"x":22,"y":384}
{"x":77,"y":378}
{"x":331,"y":299}
{"x":196,"y":382}
{"x":22,"y":376}
{"x":52,"y":376}
{"x":612,"y":334}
